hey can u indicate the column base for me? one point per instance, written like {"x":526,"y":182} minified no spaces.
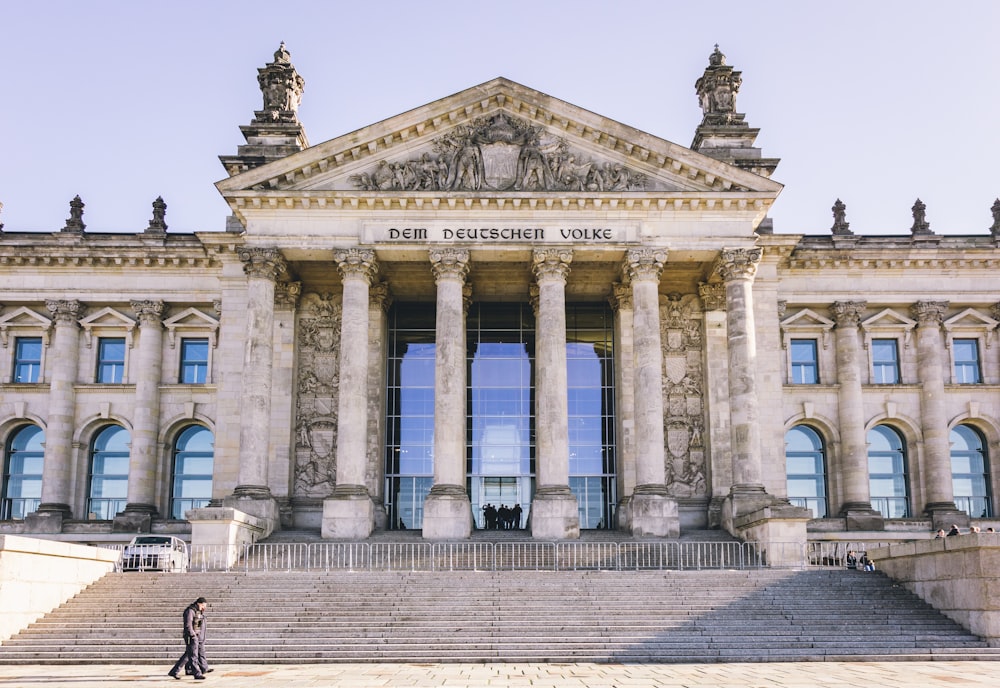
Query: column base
{"x":348,"y":514}
{"x":48,"y":518}
{"x":554,"y":514}
{"x":447,"y":513}
{"x":256,"y":500}
{"x":652,"y":513}
{"x":861,"y":516}
{"x":945,"y":515}
{"x":137,"y":518}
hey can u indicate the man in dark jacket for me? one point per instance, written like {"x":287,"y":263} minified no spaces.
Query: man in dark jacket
{"x":194,"y":653}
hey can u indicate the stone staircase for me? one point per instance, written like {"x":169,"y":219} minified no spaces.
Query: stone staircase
{"x":499,"y":616}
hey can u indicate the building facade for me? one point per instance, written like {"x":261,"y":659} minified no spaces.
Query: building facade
{"x":497,"y":300}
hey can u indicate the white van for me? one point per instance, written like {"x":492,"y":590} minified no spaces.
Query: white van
{"x":155,"y":553}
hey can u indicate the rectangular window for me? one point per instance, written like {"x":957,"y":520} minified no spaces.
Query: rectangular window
{"x":28,"y":359}
{"x":966,"y":354}
{"x":885,"y":362}
{"x":805,"y":364}
{"x":194,"y":361}
{"x":111,"y":360}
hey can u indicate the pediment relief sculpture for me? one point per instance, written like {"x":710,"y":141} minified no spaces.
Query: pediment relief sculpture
{"x":500,"y":153}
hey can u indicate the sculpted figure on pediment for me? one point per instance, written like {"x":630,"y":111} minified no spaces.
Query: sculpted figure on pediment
{"x":499,"y":153}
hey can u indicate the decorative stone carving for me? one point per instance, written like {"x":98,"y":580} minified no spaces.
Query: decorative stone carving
{"x":929,"y":312}
{"x":1,"y":210}
{"x":994,"y":228}
{"x":158,"y":224}
{"x":717,"y":89}
{"x":739,"y":263}
{"x":317,"y":396}
{"x":282,"y":88}
{"x":841,"y":227}
{"x":286,"y":294}
{"x":500,"y":153}
{"x":621,"y":297}
{"x":449,"y":263}
{"x":644,"y":263}
{"x":266,"y":263}
{"x":148,"y":312}
{"x":713,"y":296}
{"x":75,"y":221}
{"x":847,"y":313}
{"x":551,"y":263}
{"x":380,"y":295}
{"x":683,"y":395}
{"x":357,"y":261}
{"x":782,"y":307}
{"x":920,"y":223}
{"x":64,"y":311}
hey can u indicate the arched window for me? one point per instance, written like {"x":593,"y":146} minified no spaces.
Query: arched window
{"x":805,"y":469}
{"x":970,"y":472}
{"x":22,"y":474}
{"x":887,"y":472}
{"x":109,"y":473}
{"x":194,"y":456}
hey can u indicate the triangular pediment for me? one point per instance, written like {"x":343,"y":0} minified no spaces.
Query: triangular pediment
{"x":107,"y":317}
{"x":499,"y":138}
{"x":970,"y":319}
{"x":23,"y":318}
{"x":807,"y":319}
{"x":888,"y":319}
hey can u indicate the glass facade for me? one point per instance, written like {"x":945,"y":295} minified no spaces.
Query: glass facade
{"x":887,"y":477}
{"x":970,"y":472}
{"x":194,"y":456}
{"x":500,"y":411}
{"x":805,"y":469}
{"x":22,"y":476}
{"x":109,"y":473}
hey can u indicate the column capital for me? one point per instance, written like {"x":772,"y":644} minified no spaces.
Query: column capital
{"x":381,"y":295}
{"x":712,"y":295}
{"x":533,"y":295}
{"x":847,"y":313}
{"x":929,"y":312}
{"x":356,"y":262}
{"x":64,"y":311}
{"x":551,"y":263}
{"x":644,"y":263}
{"x":621,"y":297}
{"x":466,"y":298}
{"x":286,"y":294}
{"x":266,"y":263}
{"x":149,"y":312}
{"x":739,"y":263}
{"x":449,"y":263}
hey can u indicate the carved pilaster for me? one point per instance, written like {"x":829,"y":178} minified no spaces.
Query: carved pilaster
{"x":533,"y":292}
{"x":449,"y":263}
{"x":739,"y":263}
{"x":466,"y":298}
{"x":551,"y":263}
{"x":644,"y":263}
{"x":929,"y":312}
{"x":286,"y":294}
{"x":847,"y":313}
{"x":266,"y":263}
{"x":621,"y":297}
{"x":64,"y":311}
{"x":381,"y":296}
{"x":358,"y":262}
{"x":713,"y":296}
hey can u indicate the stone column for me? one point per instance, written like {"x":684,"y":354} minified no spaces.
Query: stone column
{"x":144,"y":458}
{"x":719,"y":432}
{"x":737,"y":268}
{"x":57,"y":468}
{"x":378,"y":311}
{"x":652,"y":511}
{"x":349,"y":512}
{"x":447,"y":509}
{"x":252,"y":494}
{"x":624,"y":347}
{"x":554,"y":511}
{"x":940,"y":496}
{"x":856,"y":507}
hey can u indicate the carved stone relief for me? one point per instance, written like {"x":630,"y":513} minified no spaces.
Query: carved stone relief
{"x":500,"y":153}
{"x":683,"y":395}
{"x":317,"y":395}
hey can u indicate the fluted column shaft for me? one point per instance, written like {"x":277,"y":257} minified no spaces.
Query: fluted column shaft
{"x":854,"y":443}
{"x":262,"y":267}
{"x":146,"y":418}
{"x":643,"y":267}
{"x":64,"y":363}
{"x":357,"y":269}
{"x":450,"y":267}
{"x":551,"y":268}
{"x":737,"y":267}
{"x":933,"y":419}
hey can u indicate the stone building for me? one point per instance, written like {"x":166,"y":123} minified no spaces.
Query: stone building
{"x":497,"y":299}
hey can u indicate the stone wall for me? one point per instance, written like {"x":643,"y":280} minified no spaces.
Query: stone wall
{"x":36,"y":576}
{"x":957,"y":575}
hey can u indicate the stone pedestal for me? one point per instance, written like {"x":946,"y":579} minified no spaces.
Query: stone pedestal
{"x":652,"y":515}
{"x":554,"y":515}
{"x":219,"y":534}
{"x":861,"y":516}
{"x":137,"y":518}
{"x":946,"y":515}
{"x":779,"y":531}
{"x":348,"y":514}
{"x":47,"y":519}
{"x":447,"y":513}
{"x":257,"y":503}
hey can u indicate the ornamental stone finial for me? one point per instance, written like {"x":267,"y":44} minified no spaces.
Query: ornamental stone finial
{"x":717,"y":89}
{"x":158,"y":225}
{"x":920,"y":223}
{"x":281,"y":86}
{"x":75,"y":221}
{"x":1,"y":210}
{"x":994,"y":229}
{"x":840,"y":223}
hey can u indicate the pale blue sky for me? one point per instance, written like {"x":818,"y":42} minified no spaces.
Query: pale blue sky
{"x":876,"y":102}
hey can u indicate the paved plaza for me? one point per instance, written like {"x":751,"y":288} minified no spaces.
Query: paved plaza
{"x":782,"y":675}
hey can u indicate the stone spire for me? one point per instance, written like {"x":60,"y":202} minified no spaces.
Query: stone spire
{"x":74,"y":223}
{"x":920,"y":223}
{"x":158,"y":223}
{"x":723,"y":133}
{"x":275,"y":131}
{"x":840,"y":224}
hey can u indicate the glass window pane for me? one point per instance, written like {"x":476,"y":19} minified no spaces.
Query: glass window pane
{"x":27,"y":359}
{"x":111,"y":360}
{"x":193,"y":467}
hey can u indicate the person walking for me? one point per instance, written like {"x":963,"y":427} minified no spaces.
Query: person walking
{"x":194,"y":625}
